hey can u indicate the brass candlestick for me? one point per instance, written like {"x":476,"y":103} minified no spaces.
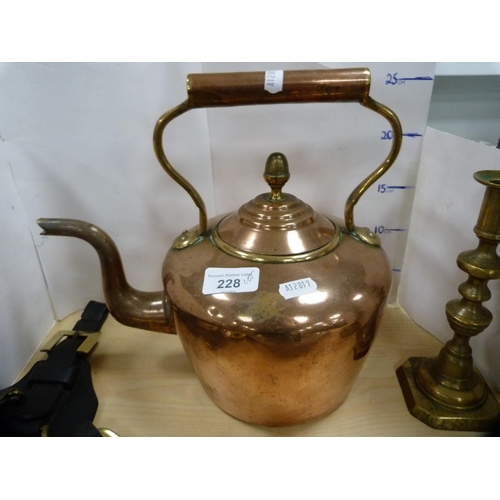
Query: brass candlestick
{"x":448,"y":392}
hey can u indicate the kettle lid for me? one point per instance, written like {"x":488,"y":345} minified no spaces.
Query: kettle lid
{"x":276,"y":227}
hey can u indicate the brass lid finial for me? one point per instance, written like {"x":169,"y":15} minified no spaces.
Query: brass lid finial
{"x":276,"y":175}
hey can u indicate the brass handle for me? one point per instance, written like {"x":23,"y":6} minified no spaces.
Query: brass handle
{"x":238,"y":89}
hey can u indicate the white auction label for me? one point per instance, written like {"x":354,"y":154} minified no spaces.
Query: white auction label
{"x":230,"y":280}
{"x":297,"y":287}
{"x":274,"y":81}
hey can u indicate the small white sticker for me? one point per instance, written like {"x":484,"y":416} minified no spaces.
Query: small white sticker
{"x":230,"y":280}
{"x":297,"y":288}
{"x":274,"y":81}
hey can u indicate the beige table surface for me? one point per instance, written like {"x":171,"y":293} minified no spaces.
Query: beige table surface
{"x":146,"y":387}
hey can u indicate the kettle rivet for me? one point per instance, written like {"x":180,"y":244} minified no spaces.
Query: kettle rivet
{"x":276,"y":174}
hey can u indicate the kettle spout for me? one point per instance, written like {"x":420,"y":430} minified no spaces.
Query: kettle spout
{"x":131,"y":307}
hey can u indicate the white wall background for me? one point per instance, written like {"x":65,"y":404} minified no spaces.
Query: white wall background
{"x":76,"y":142}
{"x":24,"y":303}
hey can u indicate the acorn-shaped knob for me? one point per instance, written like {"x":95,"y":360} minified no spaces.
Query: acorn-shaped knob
{"x":276,"y":175}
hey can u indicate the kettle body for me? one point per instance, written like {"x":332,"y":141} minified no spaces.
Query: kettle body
{"x":271,"y":360}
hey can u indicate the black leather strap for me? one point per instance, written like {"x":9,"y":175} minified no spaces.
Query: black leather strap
{"x":56,"y":397}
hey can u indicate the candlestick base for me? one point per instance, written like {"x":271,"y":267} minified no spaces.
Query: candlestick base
{"x":483,"y":418}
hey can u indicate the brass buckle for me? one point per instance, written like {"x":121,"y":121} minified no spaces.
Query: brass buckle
{"x":85,"y":347}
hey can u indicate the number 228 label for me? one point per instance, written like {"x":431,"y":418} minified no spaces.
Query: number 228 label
{"x":230,"y":280}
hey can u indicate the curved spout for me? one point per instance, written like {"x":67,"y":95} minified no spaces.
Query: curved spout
{"x":131,"y":307}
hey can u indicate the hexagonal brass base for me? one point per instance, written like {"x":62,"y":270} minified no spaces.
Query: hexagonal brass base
{"x":482,"y":419}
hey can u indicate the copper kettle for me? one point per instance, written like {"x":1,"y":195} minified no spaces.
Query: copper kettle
{"x":276,"y":305}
